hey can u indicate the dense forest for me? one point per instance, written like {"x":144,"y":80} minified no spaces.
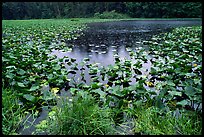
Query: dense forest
{"x":48,"y":10}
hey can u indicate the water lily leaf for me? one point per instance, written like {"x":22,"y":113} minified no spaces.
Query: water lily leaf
{"x":153,"y":70}
{"x":47,"y":95}
{"x":189,"y":91}
{"x":57,"y":67}
{"x":73,"y":90}
{"x":117,"y":91}
{"x":33,"y":88}
{"x":182,"y":103}
{"x":158,"y":103}
{"x":55,"y":90}
{"x":10,"y":75}
{"x":100,"y":92}
{"x":86,"y":59}
{"x":21,"y":72}
{"x":20,"y":84}
{"x":5,"y":59}
{"x":29,"y":97}
{"x":170,"y":83}
{"x":11,"y":67}
{"x":175,"y":93}
{"x":96,"y":85}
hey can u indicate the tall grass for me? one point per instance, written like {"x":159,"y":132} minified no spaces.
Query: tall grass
{"x":82,"y":116}
{"x":11,"y":112}
{"x":152,"y":122}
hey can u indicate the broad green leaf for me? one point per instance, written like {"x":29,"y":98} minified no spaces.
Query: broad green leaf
{"x":20,"y":84}
{"x":175,"y":93}
{"x":100,"y":92}
{"x":73,"y":90}
{"x":189,"y":90}
{"x":29,"y":97}
{"x":11,"y":67}
{"x":117,"y":91}
{"x":55,"y":90}
{"x":21,"y":72}
{"x":33,"y":88}
{"x":170,"y":83}
{"x":182,"y":103}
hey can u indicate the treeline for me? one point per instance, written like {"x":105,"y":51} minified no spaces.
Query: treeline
{"x":47,"y":10}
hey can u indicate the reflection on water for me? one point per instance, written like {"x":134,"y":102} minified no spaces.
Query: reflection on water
{"x":101,"y":40}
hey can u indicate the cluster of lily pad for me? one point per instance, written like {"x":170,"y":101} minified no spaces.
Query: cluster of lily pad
{"x":174,"y":80}
{"x":177,"y":65}
{"x":26,"y":64}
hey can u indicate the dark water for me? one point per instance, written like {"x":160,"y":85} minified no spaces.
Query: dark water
{"x":101,"y":40}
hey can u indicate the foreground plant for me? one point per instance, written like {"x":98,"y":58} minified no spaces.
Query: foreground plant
{"x":153,"y":121}
{"x":81,"y":116}
{"x":11,"y":112}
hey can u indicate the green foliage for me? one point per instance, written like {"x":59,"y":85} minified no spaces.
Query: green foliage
{"x":182,"y":67}
{"x":50,"y":10}
{"x":110,"y":15}
{"x":11,"y":112}
{"x":152,"y":121}
{"x":164,"y":9}
{"x":81,"y":116}
{"x":174,"y":81}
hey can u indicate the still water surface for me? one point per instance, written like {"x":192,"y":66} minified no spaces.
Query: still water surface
{"x":102,"y":40}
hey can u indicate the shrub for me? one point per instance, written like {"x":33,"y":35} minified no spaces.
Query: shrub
{"x":110,"y":15}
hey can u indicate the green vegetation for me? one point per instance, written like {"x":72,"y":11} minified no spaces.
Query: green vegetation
{"x":80,"y":116}
{"x":174,"y":82}
{"x":152,"y":121}
{"x":178,"y":62}
{"x":110,"y":15}
{"x":50,"y":10}
{"x":12,"y":111}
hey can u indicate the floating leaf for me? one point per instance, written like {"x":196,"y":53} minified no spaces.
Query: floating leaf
{"x":20,"y":84}
{"x":21,"y":72}
{"x":175,"y":93}
{"x":29,"y":97}
{"x":170,"y":83}
{"x":55,"y":90}
{"x":100,"y":92}
{"x":117,"y":91}
{"x":189,"y":90}
{"x":182,"y":103}
{"x":33,"y":88}
{"x":73,"y":90}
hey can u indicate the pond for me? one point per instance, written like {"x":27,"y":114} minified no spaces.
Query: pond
{"x":101,"y":41}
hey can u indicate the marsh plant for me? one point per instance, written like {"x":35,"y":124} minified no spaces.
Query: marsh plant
{"x":171,"y":88}
{"x":80,"y":116}
{"x":12,"y":115}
